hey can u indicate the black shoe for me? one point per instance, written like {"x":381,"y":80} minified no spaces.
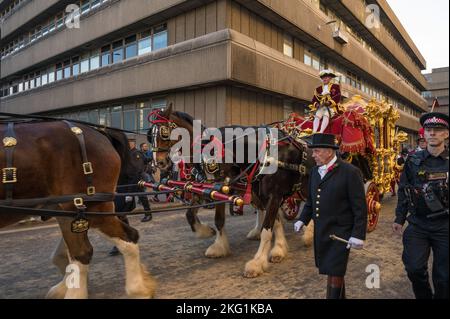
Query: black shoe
{"x":114,"y":251}
{"x":148,"y":217}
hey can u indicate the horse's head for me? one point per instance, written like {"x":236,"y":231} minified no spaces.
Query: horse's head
{"x":163,"y":123}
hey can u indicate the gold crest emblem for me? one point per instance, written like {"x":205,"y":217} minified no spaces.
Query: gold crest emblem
{"x":80,"y":225}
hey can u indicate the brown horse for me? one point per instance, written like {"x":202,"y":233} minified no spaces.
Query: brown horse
{"x":268,"y":192}
{"x":48,"y":159}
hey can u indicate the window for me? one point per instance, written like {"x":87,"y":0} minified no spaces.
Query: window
{"x":37,"y":80}
{"x":287,"y":46}
{"x":143,"y":111}
{"x":67,"y":69}
{"x":59,"y":72}
{"x":104,"y":118}
{"x":159,"y":103}
{"x":307,"y":58}
{"x":59,"y":20}
{"x":95,"y":62}
{"x":93,"y":116}
{"x":129,"y":117}
{"x":26,"y":84}
{"x":84,"y":6}
{"x":106,"y":55}
{"x":117,"y":51}
{"x":95,"y":4}
{"x":84,"y":65}
{"x":316,"y":63}
{"x":75,"y":66}
{"x":131,"y":47}
{"x":160,"y":38}
{"x":44,"y":78}
{"x":145,"y":43}
{"x":116,"y":116}
{"x":51,"y":75}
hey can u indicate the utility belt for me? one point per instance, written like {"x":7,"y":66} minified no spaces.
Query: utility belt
{"x":435,"y":201}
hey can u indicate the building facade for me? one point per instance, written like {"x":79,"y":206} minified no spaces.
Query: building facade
{"x":225,"y":62}
{"x":438,"y":88}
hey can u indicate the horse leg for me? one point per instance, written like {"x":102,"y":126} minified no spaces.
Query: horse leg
{"x":255,"y":233}
{"x":259,"y":263}
{"x":201,"y":230}
{"x":138,"y":283}
{"x":74,"y":283}
{"x":220,"y":247}
{"x":280,"y":247}
{"x":59,"y":256}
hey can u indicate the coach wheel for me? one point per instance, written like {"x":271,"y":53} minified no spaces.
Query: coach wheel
{"x":373,"y":205}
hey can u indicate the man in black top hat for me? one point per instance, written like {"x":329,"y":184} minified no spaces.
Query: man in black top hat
{"x":337,"y":204}
{"x":423,"y":193}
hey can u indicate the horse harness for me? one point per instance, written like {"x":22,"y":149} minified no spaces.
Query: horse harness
{"x":9,"y":178}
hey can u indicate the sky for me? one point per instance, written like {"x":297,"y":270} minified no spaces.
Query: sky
{"x":427,"y":23}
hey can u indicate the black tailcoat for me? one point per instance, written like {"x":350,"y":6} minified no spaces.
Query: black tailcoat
{"x":337,"y":204}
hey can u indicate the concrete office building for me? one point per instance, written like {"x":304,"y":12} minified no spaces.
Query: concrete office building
{"x":437,"y":88}
{"x":223,"y":61}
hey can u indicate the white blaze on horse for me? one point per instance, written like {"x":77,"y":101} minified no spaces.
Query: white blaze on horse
{"x":55,"y":162}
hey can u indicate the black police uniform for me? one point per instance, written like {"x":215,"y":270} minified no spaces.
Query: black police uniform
{"x":423,"y":192}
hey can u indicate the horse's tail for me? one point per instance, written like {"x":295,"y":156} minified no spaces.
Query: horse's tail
{"x":120,"y":143}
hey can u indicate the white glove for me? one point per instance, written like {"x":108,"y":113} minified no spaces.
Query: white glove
{"x":298,"y":226}
{"x":128,"y":199}
{"x":355,"y":243}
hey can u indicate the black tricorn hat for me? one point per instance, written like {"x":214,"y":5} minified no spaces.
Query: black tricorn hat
{"x":434,"y":119}
{"x":323,"y":141}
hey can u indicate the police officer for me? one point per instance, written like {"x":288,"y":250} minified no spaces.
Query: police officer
{"x":423,"y":192}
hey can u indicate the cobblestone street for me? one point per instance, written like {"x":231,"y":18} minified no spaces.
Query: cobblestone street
{"x":176,"y":259}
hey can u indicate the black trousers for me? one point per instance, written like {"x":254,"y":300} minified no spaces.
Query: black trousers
{"x":418,"y":242}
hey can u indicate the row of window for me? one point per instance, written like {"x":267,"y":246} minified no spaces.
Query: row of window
{"x":9,"y":9}
{"x":56,"y":22}
{"x":356,"y":35}
{"x":313,"y":59}
{"x":137,"y":44}
{"x":129,"y":116}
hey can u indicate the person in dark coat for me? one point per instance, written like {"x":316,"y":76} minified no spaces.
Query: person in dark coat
{"x":337,"y":204}
{"x":134,"y":173}
{"x":423,"y":202}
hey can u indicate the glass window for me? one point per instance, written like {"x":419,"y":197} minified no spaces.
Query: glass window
{"x":145,"y":45}
{"x":75,"y":66}
{"x":117,"y":55}
{"x":26,"y":84}
{"x":106,"y":55}
{"x":131,"y":47}
{"x":37,"y":81}
{"x":95,"y":3}
{"x":59,"y":74}
{"x":95,"y":62}
{"x":287,"y":46}
{"x":83,"y":116}
{"x":84,"y":6}
{"x":45,"y":30}
{"x":51,"y":75}
{"x":116,"y":116}
{"x":44,"y":79}
{"x":59,"y":20}
{"x":84,"y":66}
{"x":159,"y":103}
{"x":315,"y":63}
{"x":130,"y":51}
{"x":142,"y":116}
{"x":67,"y":69}
{"x":117,"y":51}
{"x":104,"y":118}
{"x":51,"y":26}
{"x":307,"y":59}
{"x":129,"y":117}
{"x":93,"y":116}
{"x":160,"y":40}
